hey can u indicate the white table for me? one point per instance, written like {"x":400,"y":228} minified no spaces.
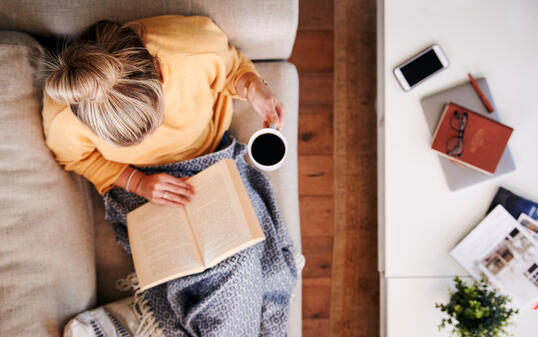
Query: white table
{"x":420,"y":219}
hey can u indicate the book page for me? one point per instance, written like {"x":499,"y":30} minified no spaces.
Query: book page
{"x":162,"y":244}
{"x":252,"y":220}
{"x":217,"y":216}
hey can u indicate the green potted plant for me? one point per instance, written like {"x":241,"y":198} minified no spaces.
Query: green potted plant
{"x":476,"y":310}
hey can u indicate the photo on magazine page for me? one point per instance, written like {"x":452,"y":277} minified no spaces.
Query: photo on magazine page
{"x":508,"y":265}
{"x":530,"y":224}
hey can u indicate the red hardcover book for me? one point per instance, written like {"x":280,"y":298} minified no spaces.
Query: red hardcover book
{"x":470,"y":138}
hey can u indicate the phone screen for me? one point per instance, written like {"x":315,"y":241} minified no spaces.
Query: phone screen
{"x":421,"y":67}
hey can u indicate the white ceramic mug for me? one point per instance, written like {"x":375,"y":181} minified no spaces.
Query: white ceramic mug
{"x":264,"y":131}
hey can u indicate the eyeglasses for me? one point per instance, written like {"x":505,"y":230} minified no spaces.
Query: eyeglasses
{"x":454,"y":145}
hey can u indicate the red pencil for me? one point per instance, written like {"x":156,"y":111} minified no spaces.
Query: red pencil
{"x":488,"y":105}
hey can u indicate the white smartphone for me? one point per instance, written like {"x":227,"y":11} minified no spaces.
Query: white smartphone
{"x":420,"y":67}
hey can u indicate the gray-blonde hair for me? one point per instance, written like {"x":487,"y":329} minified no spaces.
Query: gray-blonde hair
{"x":110,"y":81}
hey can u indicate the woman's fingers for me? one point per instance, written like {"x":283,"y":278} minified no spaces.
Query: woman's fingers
{"x":281,"y":110}
{"x":167,"y":202}
{"x":276,"y":115}
{"x":169,"y":198}
{"x":165,"y":189}
{"x":271,"y":115}
{"x":180,"y":190}
{"x":268,"y":106}
{"x":180,"y":182}
{"x":169,"y":190}
{"x":176,"y":198}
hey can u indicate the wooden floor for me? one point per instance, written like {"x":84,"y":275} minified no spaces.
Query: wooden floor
{"x":337,"y":167}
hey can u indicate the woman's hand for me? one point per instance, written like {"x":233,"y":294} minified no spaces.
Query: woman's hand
{"x":165,"y":189}
{"x":263,"y":100}
{"x":160,"y":188}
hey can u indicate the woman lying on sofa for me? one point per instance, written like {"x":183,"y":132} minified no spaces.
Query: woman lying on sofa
{"x":159,"y":91}
{"x":155,"y":91}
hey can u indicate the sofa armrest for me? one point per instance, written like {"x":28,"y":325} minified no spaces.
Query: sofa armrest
{"x":284,"y":82}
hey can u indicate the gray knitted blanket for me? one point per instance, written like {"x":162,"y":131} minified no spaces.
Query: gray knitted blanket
{"x":247,"y":294}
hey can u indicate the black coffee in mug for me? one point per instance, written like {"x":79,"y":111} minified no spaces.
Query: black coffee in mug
{"x":268,"y":149}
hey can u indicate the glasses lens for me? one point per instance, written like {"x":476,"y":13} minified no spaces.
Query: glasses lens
{"x":458,"y":121}
{"x":454,"y":146}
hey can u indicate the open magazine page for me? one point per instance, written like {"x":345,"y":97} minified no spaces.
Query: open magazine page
{"x":502,"y":249}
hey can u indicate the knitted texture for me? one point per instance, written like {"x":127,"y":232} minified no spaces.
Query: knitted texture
{"x":248,"y":294}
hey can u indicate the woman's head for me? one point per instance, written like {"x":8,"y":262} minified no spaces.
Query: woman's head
{"x":111,"y":83}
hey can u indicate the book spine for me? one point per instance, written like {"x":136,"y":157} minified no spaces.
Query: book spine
{"x":464,"y":163}
{"x":439,"y":124}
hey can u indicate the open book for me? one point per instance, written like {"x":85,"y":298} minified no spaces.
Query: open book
{"x":167,"y":243}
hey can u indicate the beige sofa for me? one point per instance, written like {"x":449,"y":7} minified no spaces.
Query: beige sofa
{"x":58,"y":256}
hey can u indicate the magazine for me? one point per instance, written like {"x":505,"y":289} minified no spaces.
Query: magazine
{"x":506,"y":253}
{"x":514,"y":204}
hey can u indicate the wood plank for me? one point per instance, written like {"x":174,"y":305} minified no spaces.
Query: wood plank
{"x":318,"y":254}
{"x":318,"y":265}
{"x":315,"y":134}
{"x":313,"y":51}
{"x":356,"y":312}
{"x":318,"y":244}
{"x":316,"y":92}
{"x":315,"y":15}
{"x":316,"y":327}
{"x":317,"y":215}
{"x":314,"y":57}
{"x":316,"y":175}
{"x":316,"y":297}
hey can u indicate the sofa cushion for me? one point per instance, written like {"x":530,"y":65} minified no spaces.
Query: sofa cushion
{"x":113,"y":263}
{"x":47,"y":271}
{"x":261,"y":29}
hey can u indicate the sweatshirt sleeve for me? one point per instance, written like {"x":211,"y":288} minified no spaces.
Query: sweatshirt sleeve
{"x":236,"y":64}
{"x":74,"y":150}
